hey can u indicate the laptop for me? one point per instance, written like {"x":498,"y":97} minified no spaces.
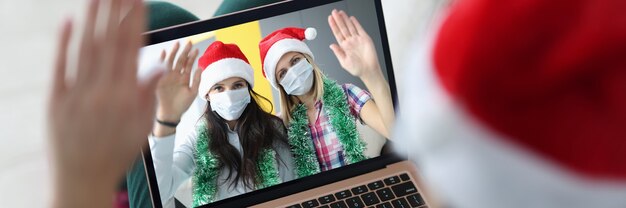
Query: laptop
{"x":385,"y":179}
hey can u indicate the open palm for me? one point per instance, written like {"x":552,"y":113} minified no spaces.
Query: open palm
{"x":99,"y":118}
{"x":173,"y":91}
{"x":354,"y":48}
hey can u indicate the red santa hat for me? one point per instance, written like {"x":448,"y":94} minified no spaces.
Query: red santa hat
{"x":526,"y":103}
{"x":222,"y":61}
{"x":279,"y":42}
{"x":550,"y":75}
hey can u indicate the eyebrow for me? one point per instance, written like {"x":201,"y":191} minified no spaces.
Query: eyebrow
{"x":290,"y":61}
{"x":293,"y":57}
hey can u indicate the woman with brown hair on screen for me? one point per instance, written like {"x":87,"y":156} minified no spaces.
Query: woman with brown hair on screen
{"x":237,"y":146}
{"x":320,"y":114}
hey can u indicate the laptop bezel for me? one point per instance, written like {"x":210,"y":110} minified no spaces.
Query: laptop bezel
{"x":297,"y":185}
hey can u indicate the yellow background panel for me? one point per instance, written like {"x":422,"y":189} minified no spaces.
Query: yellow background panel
{"x":247,"y":37}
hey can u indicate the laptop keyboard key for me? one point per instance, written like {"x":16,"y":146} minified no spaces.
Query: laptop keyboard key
{"x":384,"y":205}
{"x":326,"y":199}
{"x":400,"y":203}
{"x":385,"y":194}
{"x":370,"y":199}
{"x":310,"y":203}
{"x":339,"y":204}
{"x":405,"y":177}
{"x":375,"y":185}
{"x":295,"y":206}
{"x":343,"y":194}
{"x":392,"y":180}
{"x":404,"y":189}
{"x":415,"y":200}
{"x":359,"y":190}
{"x":325,"y":206}
{"x":355,"y":202}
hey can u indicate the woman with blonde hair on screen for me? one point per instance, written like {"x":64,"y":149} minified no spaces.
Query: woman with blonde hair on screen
{"x":320,"y":114}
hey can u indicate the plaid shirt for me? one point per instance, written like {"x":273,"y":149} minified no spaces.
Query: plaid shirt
{"x":329,"y":150}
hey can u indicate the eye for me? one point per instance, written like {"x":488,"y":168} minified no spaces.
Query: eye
{"x":281,"y":74}
{"x":238,"y":85}
{"x":295,"y":60}
{"x":218,"y":89}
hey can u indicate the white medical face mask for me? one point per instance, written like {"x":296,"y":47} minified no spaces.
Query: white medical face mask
{"x":299,"y":78}
{"x":230,"y":104}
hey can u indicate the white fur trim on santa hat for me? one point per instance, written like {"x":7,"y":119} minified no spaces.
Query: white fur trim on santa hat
{"x":224,"y":69}
{"x":277,"y":51}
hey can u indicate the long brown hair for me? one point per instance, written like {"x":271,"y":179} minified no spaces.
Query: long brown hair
{"x":257,"y":131}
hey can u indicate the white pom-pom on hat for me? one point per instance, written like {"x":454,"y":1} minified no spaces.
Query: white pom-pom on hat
{"x":310,"y":33}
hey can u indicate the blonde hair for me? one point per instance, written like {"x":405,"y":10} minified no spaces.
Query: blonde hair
{"x":289,"y":102}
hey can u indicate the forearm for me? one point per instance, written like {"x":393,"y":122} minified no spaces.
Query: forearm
{"x":70,"y":193}
{"x":379,"y":88}
{"x":160,"y":130}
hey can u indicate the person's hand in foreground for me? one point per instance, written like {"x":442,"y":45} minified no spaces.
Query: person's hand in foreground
{"x":99,"y":119}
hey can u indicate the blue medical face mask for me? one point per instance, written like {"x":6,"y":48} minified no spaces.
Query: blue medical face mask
{"x":299,"y":78}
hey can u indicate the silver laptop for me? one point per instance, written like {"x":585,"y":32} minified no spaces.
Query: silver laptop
{"x":385,"y":179}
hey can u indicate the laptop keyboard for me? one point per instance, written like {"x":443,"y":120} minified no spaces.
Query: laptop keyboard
{"x":392,"y":192}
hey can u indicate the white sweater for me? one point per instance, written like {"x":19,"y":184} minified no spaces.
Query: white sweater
{"x":174,"y":165}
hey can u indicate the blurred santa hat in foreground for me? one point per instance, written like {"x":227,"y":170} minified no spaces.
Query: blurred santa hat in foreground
{"x":521,"y":103}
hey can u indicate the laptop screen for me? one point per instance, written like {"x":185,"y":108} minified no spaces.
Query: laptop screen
{"x":218,"y":150}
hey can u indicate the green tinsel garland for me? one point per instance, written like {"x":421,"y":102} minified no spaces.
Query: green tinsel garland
{"x":336,"y":106}
{"x":269,"y":173}
{"x":206,"y":172}
{"x":302,"y":144}
{"x":207,"y":164}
